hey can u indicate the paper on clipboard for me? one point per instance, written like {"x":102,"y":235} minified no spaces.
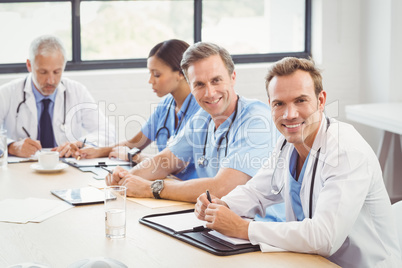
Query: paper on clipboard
{"x":178,"y":222}
{"x":95,"y":162}
{"x":232,"y":240}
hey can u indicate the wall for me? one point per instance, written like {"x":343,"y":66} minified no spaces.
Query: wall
{"x":355,"y":42}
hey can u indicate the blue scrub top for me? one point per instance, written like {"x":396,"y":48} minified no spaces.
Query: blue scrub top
{"x":250,"y":140}
{"x":295,"y":185}
{"x":166,"y":111}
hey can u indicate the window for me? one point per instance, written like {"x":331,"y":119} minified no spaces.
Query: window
{"x":119,"y":34}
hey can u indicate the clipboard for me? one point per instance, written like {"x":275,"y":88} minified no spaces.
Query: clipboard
{"x":198,"y":236}
{"x":94,"y":165}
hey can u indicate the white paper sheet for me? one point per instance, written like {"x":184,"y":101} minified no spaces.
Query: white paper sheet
{"x":30,"y":209}
{"x":95,"y":161}
{"x":15,"y":159}
{"x":178,"y":222}
{"x":232,"y":240}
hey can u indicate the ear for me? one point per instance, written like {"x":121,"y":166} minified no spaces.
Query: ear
{"x":322,"y":98}
{"x":29,"y":66}
{"x":233,"y":76}
{"x":180,"y":76}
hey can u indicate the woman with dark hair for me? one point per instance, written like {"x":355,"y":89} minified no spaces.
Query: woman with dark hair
{"x":171,"y":114}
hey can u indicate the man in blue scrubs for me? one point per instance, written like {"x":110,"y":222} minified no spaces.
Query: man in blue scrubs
{"x":228,"y":140}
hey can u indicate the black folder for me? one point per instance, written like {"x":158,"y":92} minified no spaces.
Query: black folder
{"x":199,"y":236}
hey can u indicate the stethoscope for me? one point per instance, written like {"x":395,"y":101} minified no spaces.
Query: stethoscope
{"x":277,"y":191}
{"x":166,"y":118}
{"x":24,"y":98}
{"x":203,"y":161}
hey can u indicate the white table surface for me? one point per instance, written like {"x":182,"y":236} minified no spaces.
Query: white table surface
{"x":385,"y":116}
{"x":79,"y":233}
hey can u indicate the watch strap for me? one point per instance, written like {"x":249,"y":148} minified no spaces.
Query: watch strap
{"x":157,"y":187}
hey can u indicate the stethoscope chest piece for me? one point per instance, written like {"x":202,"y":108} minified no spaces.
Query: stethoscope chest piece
{"x":63,"y":127}
{"x":202,"y":161}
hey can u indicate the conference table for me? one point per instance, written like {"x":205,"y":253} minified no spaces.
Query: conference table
{"x":79,"y":233}
{"x":386,"y":117}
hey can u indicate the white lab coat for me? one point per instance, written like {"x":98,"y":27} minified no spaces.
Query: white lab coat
{"x":352,"y":222}
{"x":83,"y":116}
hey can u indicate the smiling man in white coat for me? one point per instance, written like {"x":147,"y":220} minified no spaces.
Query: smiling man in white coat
{"x":325,"y":172}
{"x":46,"y":110}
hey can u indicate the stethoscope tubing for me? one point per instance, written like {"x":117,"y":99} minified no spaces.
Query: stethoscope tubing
{"x":276,"y":192}
{"x":202,"y":161}
{"x":166,"y":118}
{"x":24,"y":98}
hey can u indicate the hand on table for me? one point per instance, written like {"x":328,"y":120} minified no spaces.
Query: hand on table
{"x":120,"y":152}
{"x":24,"y":148}
{"x":66,"y":149}
{"x":86,"y":153}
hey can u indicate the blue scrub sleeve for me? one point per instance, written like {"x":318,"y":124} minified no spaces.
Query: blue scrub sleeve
{"x":252,"y":144}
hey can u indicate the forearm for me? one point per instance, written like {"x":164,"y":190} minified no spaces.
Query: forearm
{"x":139,"y":141}
{"x":190,"y":190}
{"x":13,"y":150}
{"x":103,"y":151}
{"x":159,"y":166}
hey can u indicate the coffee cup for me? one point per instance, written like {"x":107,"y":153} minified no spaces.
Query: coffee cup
{"x":48,"y":159}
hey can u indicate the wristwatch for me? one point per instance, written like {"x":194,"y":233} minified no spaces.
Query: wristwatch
{"x":133,"y":152}
{"x":157,"y":187}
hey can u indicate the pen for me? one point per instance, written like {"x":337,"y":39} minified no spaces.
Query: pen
{"x":83,"y":144}
{"x":209,"y":197}
{"x":108,"y":170}
{"x":26,"y":132}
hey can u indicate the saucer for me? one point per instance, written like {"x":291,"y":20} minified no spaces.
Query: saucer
{"x":57,"y":168}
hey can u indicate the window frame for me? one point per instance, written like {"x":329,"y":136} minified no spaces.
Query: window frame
{"x":78,"y":64}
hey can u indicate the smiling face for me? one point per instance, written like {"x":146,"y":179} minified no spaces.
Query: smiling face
{"x":213,"y":87}
{"x":162,"y":78}
{"x":296,"y":110}
{"x":46,"y":72}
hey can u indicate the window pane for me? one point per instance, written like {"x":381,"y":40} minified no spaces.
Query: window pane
{"x":23,"y":22}
{"x":253,"y":27}
{"x":129,"y":29}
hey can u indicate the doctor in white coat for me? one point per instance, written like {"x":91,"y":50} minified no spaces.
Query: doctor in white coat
{"x":75,"y":116}
{"x":327,"y":175}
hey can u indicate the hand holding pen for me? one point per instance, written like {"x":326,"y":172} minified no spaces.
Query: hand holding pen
{"x":82,"y":146}
{"x":209,"y":197}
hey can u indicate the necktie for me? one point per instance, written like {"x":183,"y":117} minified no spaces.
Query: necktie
{"x":46,"y":128}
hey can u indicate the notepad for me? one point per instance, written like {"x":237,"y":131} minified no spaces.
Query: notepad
{"x":178,"y":222}
{"x":231,"y":240}
{"x":30,"y":209}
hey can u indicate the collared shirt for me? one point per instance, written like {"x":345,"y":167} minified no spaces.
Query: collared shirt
{"x":244,"y":147}
{"x":39,"y":105}
{"x":157,"y":129}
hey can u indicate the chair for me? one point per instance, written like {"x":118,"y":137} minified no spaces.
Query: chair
{"x":397,"y":209}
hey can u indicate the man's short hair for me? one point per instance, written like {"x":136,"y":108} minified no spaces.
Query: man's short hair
{"x":289,"y":65}
{"x":46,"y":45}
{"x":203,"y":50}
